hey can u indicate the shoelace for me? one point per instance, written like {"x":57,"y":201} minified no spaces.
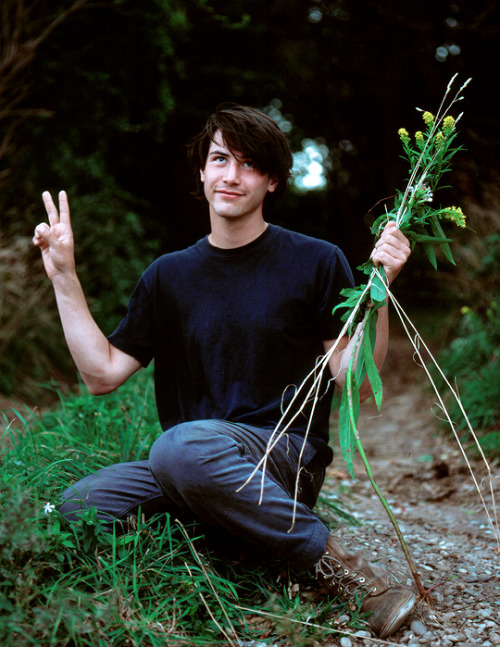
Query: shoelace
{"x":346,"y":582}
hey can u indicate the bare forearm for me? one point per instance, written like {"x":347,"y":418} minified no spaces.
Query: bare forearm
{"x":90,"y":349}
{"x":102,"y":366}
{"x":345,"y":348}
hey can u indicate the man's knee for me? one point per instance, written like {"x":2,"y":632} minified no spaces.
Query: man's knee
{"x":175,"y":450}
{"x":185,"y":453}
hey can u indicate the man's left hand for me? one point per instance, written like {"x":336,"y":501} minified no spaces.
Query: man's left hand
{"x":391,"y":251}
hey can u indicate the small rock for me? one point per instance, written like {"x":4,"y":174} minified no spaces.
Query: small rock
{"x":418,"y":628}
{"x":345,"y":642}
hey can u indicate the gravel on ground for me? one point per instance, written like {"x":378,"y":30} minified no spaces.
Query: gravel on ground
{"x":425,"y":479}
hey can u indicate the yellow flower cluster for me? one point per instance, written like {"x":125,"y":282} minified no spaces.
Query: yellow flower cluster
{"x":428,"y":118}
{"x":455,"y":214}
{"x":419,"y":137}
{"x":448,"y":125}
{"x":403,"y":135}
{"x":439,"y":139}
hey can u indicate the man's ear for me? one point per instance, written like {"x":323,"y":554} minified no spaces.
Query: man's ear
{"x":273,"y":183}
{"x":202,"y":175}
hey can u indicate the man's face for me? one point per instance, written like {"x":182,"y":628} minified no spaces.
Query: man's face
{"x":233,"y":186}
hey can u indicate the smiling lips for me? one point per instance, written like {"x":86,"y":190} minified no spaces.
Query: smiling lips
{"x":228,"y":194}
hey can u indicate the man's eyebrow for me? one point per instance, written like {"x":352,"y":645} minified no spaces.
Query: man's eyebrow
{"x":219,"y":152}
{"x":225,"y":152}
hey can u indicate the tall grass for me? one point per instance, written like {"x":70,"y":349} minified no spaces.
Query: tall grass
{"x":160,"y":583}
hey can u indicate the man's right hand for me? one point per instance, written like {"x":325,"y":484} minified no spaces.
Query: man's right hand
{"x":55,"y":239}
{"x":102,"y":366}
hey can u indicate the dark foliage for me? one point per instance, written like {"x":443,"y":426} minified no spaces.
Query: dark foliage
{"x":108,"y":100}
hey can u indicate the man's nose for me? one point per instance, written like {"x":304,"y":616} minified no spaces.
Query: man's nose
{"x":232,"y":173}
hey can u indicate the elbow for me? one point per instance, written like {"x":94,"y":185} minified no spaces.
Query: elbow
{"x":101,"y":391}
{"x":98,"y":386}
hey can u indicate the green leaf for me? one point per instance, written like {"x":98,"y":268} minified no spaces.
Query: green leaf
{"x":347,"y":440}
{"x":369,"y":362}
{"x":425,"y":238}
{"x":429,"y":250}
{"x":378,"y":290}
{"x":353,"y":299}
{"x":438,"y":230}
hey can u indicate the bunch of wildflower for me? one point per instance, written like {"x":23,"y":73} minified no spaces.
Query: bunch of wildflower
{"x":429,"y":156}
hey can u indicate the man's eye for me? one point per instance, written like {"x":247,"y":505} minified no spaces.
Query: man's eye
{"x":249,"y":164}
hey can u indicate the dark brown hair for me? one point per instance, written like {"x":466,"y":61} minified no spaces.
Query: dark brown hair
{"x":249,"y":132}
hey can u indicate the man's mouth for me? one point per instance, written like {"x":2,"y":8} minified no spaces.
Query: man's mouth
{"x":228,"y":194}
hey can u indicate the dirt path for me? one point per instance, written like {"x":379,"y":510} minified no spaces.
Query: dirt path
{"x":429,"y":487}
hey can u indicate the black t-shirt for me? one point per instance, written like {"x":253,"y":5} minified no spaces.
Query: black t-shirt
{"x":234,"y":331}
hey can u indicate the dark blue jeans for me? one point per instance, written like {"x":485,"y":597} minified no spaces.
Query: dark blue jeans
{"x":195,"y":470}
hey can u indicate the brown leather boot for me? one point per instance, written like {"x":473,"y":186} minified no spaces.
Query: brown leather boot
{"x":352,"y":577}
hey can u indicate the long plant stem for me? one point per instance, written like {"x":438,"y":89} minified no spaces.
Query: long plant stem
{"x":361,"y":451}
{"x":492,"y":518}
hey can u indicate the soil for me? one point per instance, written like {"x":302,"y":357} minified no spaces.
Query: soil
{"x":428,"y":485}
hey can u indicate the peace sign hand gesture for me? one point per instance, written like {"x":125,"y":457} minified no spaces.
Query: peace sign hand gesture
{"x":55,"y":239}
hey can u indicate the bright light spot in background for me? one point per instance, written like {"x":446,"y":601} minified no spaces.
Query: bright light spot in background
{"x":310,"y":165}
{"x":443,"y":50}
{"x":315,"y":15}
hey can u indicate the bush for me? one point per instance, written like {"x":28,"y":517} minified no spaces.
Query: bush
{"x":472,"y":359}
{"x":32,"y":345}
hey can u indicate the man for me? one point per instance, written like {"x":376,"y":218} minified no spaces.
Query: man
{"x":231,"y":322}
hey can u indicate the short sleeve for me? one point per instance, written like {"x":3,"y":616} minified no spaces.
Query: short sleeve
{"x":134,"y":334}
{"x":337,"y":276}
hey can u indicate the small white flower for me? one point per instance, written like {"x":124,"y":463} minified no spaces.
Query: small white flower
{"x":422,"y":193}
{"x":48,"y":508}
